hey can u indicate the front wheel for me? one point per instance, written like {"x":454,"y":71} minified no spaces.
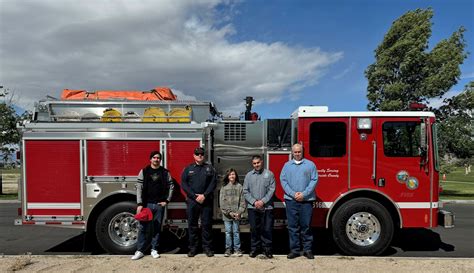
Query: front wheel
{"x":362,"y":227}
{"x":117,"y":230}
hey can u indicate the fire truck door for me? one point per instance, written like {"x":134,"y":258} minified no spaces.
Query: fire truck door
{"x":401,"y":172}
{"x":52,"y":180}
{"x":326,"y":144}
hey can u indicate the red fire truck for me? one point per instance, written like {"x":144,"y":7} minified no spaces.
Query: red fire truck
{"x":378,"y":171}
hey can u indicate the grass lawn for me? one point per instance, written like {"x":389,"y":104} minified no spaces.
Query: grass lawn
{"x":10,"y":170}
{"x":458,"y":186}
{"x":9,"y":196}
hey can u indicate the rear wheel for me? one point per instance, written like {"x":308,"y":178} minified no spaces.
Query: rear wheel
{"x":117,"y":230}
{"x":362,"y":227}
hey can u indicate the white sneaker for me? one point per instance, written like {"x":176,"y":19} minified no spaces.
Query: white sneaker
{"x":138,"y":255}
{"x":155,"y":254}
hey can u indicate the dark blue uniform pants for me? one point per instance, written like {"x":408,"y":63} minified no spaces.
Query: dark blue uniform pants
{"x":194,"y":211}
{"x":261,"y":226}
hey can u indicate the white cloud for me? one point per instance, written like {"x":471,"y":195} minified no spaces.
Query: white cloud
{"x":46,"y":46}
{"x":437,"y":102}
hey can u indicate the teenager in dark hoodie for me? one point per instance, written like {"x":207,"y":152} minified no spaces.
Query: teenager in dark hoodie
{"x":154,"y":191}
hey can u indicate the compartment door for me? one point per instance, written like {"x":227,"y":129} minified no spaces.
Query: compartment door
{"x":118,"y":158}
{"x":52,"y":179}
{"x":179,"y":154}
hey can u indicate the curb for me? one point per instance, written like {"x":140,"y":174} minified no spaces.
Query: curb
{"x":458,"y":201}
{"x":9,"y":201}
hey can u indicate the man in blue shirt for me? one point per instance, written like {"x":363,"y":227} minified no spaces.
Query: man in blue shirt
{"x":298,"y":179}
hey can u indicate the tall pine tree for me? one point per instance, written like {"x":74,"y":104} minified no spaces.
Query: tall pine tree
{"x":405,"y":71}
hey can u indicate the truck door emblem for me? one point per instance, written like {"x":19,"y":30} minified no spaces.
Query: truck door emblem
{"x":402,"y":177}
{"x":412,"y":183}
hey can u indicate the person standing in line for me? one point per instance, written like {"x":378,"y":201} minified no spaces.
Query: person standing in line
{"x":154,"y":191}
{"x":232,"y":204}
{"x":298,"y":180}
{"x":199,"y":182}
{"x":259,"y":187}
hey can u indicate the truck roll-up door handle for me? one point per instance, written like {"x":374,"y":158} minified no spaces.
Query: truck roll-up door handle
{"x":374,"y":159}
{"x":381,"y":182}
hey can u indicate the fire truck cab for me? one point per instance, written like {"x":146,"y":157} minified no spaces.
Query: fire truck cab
{"x":378,"y":171}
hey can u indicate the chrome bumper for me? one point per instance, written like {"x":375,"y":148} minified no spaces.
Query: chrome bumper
{"x":446,"y":219}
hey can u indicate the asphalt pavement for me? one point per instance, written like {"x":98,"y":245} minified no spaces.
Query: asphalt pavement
{"x":416,"y":242}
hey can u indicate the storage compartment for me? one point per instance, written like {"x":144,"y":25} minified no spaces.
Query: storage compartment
{"x":118,"y":158}
{"x":53,"y":180}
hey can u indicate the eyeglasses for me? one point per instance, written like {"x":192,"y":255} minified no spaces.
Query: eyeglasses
{"x":199,"y":154}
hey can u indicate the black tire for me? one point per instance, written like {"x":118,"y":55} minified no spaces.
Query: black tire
{"x":116,"y":229}
{"x":362,"y":227}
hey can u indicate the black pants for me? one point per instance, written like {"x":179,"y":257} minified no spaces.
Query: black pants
{"x":194,"y":211}
{"x":261,"y":227}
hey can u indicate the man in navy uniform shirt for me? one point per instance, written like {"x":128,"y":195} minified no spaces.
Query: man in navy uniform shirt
{"x":199,"y":182}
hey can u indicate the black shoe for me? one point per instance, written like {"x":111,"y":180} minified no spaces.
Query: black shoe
{"x":209,"y":253}
{"x":253,"y":254}
{"x":191,"y":253}
{"x":269,"y":254}
{"x":308,"y":254}
{"x":292,"y":255}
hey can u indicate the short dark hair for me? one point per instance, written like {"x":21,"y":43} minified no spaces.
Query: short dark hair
{"x":199,"y":150}
{"x":257,"y":157}
{"x":152,"y":154}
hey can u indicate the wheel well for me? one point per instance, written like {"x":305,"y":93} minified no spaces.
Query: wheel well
{"x":376,"y":196}
{"x":103,"y":204}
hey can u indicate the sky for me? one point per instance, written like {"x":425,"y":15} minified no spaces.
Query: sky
{"x":284,"y":53}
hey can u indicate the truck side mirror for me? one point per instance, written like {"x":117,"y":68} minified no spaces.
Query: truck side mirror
{"x":423,"y":147}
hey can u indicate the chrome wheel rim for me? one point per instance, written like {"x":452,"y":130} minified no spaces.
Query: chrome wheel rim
{"x":363,"y":229}
{"x":123,"y":229}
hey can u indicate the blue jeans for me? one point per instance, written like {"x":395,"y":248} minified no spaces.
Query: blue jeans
{"x":152,"y":228}
{"x":261,"y":227}
{"x":232,"y":232}
{"x":299,"y":215}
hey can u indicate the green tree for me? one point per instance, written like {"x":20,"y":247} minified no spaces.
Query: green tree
{"x":405,"y":71}
{"x":9,"y":135}
{"x":456,"y":130}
